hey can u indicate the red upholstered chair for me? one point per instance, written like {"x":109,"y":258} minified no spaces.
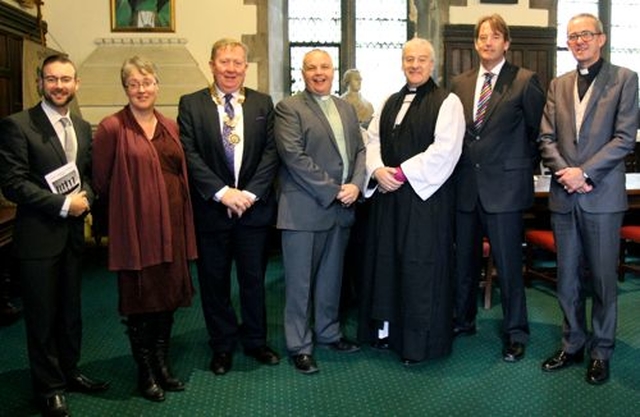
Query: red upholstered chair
{"x":538,"y":239}
{"x":627,"y":234}
{"x":488,"y":273}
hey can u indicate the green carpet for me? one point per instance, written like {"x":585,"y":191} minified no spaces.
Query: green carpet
{"x":473,"y":381}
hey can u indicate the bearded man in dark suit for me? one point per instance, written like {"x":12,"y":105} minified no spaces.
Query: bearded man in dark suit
{"x":48,"y":237}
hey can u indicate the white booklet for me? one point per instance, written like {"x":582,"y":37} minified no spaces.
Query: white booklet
{"x":64,"y":180}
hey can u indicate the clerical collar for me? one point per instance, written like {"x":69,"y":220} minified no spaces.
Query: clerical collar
{"x":591,"y":71}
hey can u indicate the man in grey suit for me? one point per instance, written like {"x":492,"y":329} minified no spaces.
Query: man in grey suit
{"x":322,"y":153}
{"x":588,"y":127}
{"x":48,"y":238}
{"x":494,"y":180}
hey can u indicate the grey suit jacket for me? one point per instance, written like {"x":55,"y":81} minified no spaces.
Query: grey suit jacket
{"x":30,"y":149}
{"x":607,"y":135}
{"x":311,"y":171}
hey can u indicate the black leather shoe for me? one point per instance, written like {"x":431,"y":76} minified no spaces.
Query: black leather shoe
{"x":221,"y":363}
{"x":410,"y":362}
{"x":343,"y":345}
{"x":598,"y":371}
{"x":9,"y":313}
{"x":464,"y":331}
{"x":264,"y":354}
{"x":55,"y":406}
{"x":78,"y":382}
{"x":305,"y":364}
{"x":513,"y":351}
{"x":381,"y":344}
{"x":562,"y":359}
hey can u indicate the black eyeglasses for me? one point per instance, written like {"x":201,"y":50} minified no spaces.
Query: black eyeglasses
{"x":585,"y":35}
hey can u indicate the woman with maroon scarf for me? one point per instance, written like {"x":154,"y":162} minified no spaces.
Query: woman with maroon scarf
{"x":139,"y":168}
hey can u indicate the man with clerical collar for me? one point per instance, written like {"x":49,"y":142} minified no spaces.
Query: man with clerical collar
{"x":412,"y":150}
{"x":321,"y":177}
{"x":587,"y":129}
{"x":586,"y":77}
{"x":227,"y":134}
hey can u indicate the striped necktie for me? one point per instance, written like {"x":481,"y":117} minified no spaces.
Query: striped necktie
{"x":483,"y":101}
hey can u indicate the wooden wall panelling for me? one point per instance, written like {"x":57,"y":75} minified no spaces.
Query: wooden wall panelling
{"x":531,"y":47}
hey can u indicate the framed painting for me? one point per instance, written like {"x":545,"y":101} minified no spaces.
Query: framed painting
{"x":142,"y":15}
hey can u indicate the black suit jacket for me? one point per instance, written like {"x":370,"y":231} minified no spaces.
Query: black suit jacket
{"x":208,"y":172}
{"x":30,"y":149}
{"x":497,"y":162}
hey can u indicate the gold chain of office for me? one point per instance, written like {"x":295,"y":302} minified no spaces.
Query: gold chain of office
{"x":234,"y":138}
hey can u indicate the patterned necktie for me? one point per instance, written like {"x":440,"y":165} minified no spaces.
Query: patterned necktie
{"x":70,"y":144}
{"x":227,"y":132}
{"x":483,"y":101}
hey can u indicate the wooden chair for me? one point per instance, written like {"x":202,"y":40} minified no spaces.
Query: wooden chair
{"x":538,"y":239}
{"x":628,"y":234}
{"x":488,"y":273}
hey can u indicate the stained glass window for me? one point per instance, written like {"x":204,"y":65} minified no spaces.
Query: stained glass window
{"x":380,"y":32}
{"x":313,"y":24}
{"x":566,"y":10}
{"x":624,"y":41}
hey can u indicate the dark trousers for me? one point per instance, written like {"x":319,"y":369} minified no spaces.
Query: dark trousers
{"x":504,"y":231}
{"x":51,"y":296}
{"x":588,"y":242}
{"x":217,"y":251}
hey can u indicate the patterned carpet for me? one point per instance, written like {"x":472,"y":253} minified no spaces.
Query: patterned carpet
{"x":474,"y":381}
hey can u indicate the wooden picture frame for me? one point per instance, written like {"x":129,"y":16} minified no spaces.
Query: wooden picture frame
{"x":143,"y":15}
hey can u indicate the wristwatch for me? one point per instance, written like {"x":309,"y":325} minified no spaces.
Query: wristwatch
{"x":587,"y":179}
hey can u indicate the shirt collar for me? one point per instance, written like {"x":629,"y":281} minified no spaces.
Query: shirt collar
{"x":52,"y":113}
{"x":495,"y":70}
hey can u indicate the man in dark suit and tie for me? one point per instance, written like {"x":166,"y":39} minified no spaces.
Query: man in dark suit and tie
{"x":227,"y":134}
{"x":48,"y":237}
{"x":588,"y":127}
{"x":494,"y":180}
{"x":322,"y":174}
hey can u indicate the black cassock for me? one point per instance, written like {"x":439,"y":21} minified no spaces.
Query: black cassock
{"x":409,"y":248}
